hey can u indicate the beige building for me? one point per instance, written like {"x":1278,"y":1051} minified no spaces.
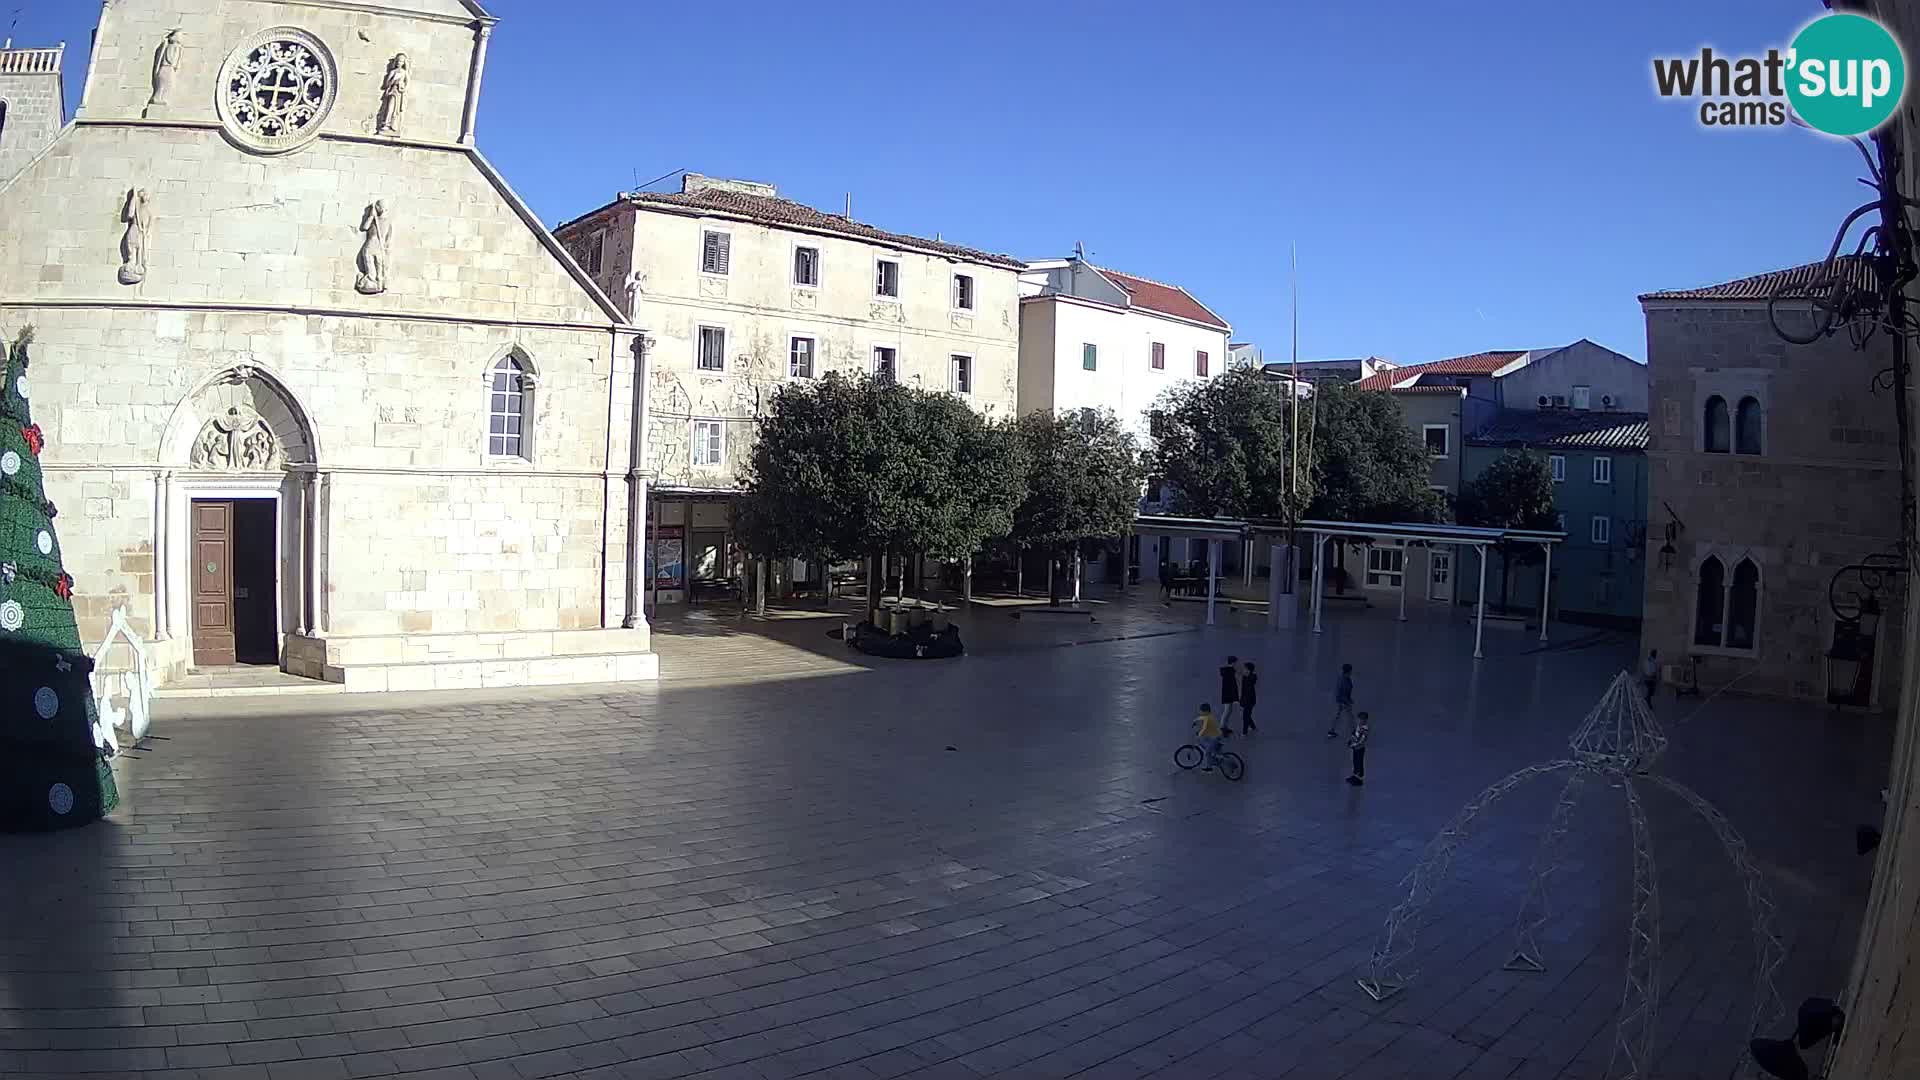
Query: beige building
{"x":742,"y":292}
{"x":1772,"y":468}
{"x":319,"y":390}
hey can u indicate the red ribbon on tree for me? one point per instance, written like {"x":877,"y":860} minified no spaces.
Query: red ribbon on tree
{"x":63,"y":588}
{"x":35,"y":440}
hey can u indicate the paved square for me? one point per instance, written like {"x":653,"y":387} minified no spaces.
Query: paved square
{"x":953,"y":869}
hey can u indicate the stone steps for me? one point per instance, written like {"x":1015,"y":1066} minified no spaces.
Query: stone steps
{"x":560,"y":670}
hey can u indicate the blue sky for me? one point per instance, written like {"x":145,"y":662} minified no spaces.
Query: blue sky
{"x":1457,"y":177}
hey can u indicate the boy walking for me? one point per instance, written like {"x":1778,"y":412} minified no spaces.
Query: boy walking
{"x":1342,"y":701}
{"x":1650,"y":673}
{"x":1249,"y":697}
{"x":1229,"y":693}
{"x":1206,"y":729}
{"x":1359,"y":745}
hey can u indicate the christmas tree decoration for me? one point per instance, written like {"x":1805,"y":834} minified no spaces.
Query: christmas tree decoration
{"x":53,"y":773}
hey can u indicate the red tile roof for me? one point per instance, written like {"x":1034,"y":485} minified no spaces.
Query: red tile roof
{"x":1165,"y":299}
{"x":778,"y":212}
{"x":1483,"y":363}
{"x":1856,"y":270}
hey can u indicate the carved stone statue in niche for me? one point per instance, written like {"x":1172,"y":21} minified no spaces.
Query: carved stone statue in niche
{"x":372,"y":279}
{"x":236,"y":441}
{"x":137,"y":212}
{"x":393,"y":95}
{"x":166,"y":63}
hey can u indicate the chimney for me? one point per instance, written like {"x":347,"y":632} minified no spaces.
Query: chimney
{"x":694,"y":183}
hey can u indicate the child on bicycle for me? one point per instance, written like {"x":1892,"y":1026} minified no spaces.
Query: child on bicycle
{"x":1206,"y":728}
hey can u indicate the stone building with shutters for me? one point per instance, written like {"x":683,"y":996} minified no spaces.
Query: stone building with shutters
{"x":1773,"y":477}
{"x":744,"y":291}
{"x":319,"y":389}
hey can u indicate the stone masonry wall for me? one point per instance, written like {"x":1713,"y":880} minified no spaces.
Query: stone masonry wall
{"x":439,"y":48}
{"x":33,"y":113}
{"x":1822,"y":495}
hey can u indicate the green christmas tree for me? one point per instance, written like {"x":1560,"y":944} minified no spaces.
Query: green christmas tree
{"x":53,"y":773}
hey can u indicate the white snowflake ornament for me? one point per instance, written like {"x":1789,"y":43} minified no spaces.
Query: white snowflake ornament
{"x":9,"y":463}
{"x":7,"y":571}
{"x":60,"y":799}
{"x":12,"y":616}
{"x":44,"y":542}
{"x":46,"y":702}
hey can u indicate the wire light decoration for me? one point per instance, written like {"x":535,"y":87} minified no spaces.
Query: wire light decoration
{"x":1616,"y":747}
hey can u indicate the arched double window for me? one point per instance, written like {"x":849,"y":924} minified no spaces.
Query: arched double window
{"x":510,"y":409}
{"x":1727,"y":610}
{"x":3,"y":123}
{"x":1716,"y":428}
{"x":1746,"y":426}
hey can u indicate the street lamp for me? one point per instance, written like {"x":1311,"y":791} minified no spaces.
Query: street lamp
{"x":1848,"y":664}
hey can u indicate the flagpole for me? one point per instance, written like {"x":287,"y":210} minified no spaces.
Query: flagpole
{"x":1293,"y":277}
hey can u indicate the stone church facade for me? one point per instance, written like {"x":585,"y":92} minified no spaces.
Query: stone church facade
{"x":319,"y":390}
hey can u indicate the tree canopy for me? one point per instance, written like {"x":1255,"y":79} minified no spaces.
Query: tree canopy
{"x":1223,"y":446}
{"x":1083,"y":478}
{"x":1368,"y":465}
{"x":1514,"y":492}
{"x":844,"y":468}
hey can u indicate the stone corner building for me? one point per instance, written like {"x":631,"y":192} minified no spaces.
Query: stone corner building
{"x":320,"y":390}
{"x":745,"y":291}
{"x":1772,"y":469}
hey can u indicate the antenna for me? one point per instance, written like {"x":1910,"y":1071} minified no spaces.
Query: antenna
{"x":849,"y":206}
{"x":1080,"y":250}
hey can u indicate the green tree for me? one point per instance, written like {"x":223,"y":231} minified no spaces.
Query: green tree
{"x":1514,"y":492}
{"x":1368,"y":465}
{"x":52,"y":772}
{"x":1083,"y":482}
{"x":1223,"y":445}
{"x":845,"y":468}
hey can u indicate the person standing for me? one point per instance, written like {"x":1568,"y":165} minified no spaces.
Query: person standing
{"x":1249,"y":697}
{"x":1650,"y":673}
{"x":1358,"y":743}
{"x":1342,"y":701}
{"x":1229,"y":692}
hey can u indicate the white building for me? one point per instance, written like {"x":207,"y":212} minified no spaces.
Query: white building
{"x":743,"y":291}
{"x":318,"y":389}
{"x":1097,"y":338}
{"x":1093,"y":338}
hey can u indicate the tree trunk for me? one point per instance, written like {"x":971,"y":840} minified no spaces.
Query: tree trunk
{"x":760,"y":589}
{"x":966,"y":581}
{"x":876,"y":579}
{"x":1053,"y":577}
{"x":826,"y":583}
{"x":1020,"y":572}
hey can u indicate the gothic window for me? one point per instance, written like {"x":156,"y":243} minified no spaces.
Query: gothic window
{"x":1746,"y":427}
{"x":3,"y":123}
{"x":1727,"y":614}
{"x":1709,"y":612}
{"x":510,"y":397}
{"x":1743,"y":605}
{"x":1714,"y":433}
{"x":276,"y":90}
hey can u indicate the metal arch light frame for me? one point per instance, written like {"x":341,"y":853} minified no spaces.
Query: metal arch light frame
{"x":1617,"y":745}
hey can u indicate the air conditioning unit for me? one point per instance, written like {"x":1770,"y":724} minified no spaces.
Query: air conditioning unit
{"x":1559,"y":401}
{"x":1606,"y":401}
{"x":1545,"y":401}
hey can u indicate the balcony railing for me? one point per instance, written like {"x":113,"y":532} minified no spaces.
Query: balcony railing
{"x":31,"y":61}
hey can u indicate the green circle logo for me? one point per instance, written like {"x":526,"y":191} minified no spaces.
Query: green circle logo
{"x":1846,"y":74}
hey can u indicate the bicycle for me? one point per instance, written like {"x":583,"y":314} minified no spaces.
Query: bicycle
{"x":1229,"y":763}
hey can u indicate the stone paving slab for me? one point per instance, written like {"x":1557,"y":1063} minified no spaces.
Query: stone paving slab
{"x":987,"y":867}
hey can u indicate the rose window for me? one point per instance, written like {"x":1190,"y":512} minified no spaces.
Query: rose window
{"x":276,"y":90}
